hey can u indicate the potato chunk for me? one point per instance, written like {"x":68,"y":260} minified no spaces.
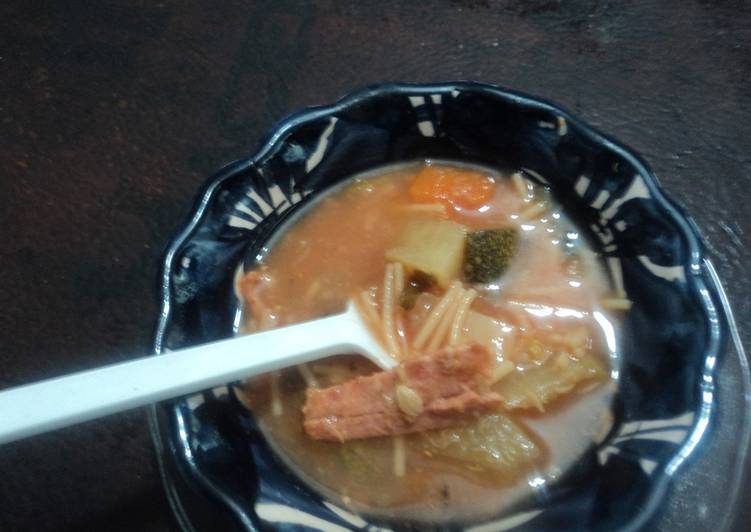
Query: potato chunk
{"x":435,"y":247}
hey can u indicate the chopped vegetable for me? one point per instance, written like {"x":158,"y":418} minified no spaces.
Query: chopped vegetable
{"x":492,"y":442}
{"x":417,"y":283}
{"x":502,"y":369}
{"x":491,"y":332}
{"x":453,"y":186}
{"x":358,"y":456}
{"x":435,"y":247}
{"x":488,"y":253}
{"x":409,"y":401}
{"x":536,"y":386}
{"x":616,"y":303}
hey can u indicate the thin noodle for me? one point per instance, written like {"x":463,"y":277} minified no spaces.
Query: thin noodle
{"x":616,"y":303}
{"x":522,"y":186}
{"x":276,"y":402}
{"x":534,"y":210}
{"x":368,"y":307}
{"x":435,"y":315}
{"x":307,"y":375}
{"x":509,"y":343}
{"x":398,"y":279}
{"x":387,"y":312}
{"x":400,"y":456}
{"x":524,"y":322}
{"x":461,"y":315}
{"x":312,"y":290}
{"x":445,"y":323}
{"x":398,"y":321}
{"x":401,"y":333}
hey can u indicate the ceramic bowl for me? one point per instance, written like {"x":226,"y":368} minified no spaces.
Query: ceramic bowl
{"x":670,"y":338}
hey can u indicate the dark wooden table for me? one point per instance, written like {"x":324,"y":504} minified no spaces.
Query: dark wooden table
{"x":114,"y":112}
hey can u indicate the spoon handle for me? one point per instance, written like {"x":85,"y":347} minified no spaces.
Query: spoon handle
{"x":58,"y":402}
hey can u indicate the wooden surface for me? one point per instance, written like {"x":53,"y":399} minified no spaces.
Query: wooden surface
{"x":114,"y":112}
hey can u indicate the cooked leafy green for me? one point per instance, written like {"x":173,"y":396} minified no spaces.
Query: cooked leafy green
{"x":492,"y":442}
{"x":537,"y":386}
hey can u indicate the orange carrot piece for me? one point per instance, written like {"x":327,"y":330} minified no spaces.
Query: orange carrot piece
{"x":453,"y":186}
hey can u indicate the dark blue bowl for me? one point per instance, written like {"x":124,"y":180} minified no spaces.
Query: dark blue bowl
{"x":218,"y":468}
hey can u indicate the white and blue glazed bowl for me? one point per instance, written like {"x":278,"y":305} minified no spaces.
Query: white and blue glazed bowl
{"x":220,"y":473}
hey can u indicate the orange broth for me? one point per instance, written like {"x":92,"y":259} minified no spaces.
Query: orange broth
{"x":545,"y":301}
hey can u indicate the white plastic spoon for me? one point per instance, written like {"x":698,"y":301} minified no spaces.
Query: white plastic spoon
{"x":62,"y":401}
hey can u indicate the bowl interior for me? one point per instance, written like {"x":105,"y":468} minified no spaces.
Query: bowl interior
{"x":669,"y":338}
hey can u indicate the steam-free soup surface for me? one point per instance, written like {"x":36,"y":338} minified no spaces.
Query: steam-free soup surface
{"x":409,"y":247}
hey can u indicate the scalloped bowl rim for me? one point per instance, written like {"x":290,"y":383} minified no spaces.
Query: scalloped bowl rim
{"x":279,"y":131}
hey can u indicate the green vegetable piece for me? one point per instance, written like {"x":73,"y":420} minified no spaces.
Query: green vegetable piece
{"x":535,"y":387}
{"x":492,"y":442}
{"x":488,"y":253}
{"x":417,"y":283}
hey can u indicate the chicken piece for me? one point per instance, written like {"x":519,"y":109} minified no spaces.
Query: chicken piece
{"x":443,"y":389}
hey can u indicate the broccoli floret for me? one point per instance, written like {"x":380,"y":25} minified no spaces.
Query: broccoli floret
{"x":488,"y":253}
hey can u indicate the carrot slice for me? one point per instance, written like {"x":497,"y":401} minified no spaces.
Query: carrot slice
{"x":453,"y":186}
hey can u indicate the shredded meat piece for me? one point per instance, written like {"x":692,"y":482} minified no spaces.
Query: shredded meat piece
{"x":453,"y":384}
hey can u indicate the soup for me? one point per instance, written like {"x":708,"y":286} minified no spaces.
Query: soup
{"x":497,"y":311}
